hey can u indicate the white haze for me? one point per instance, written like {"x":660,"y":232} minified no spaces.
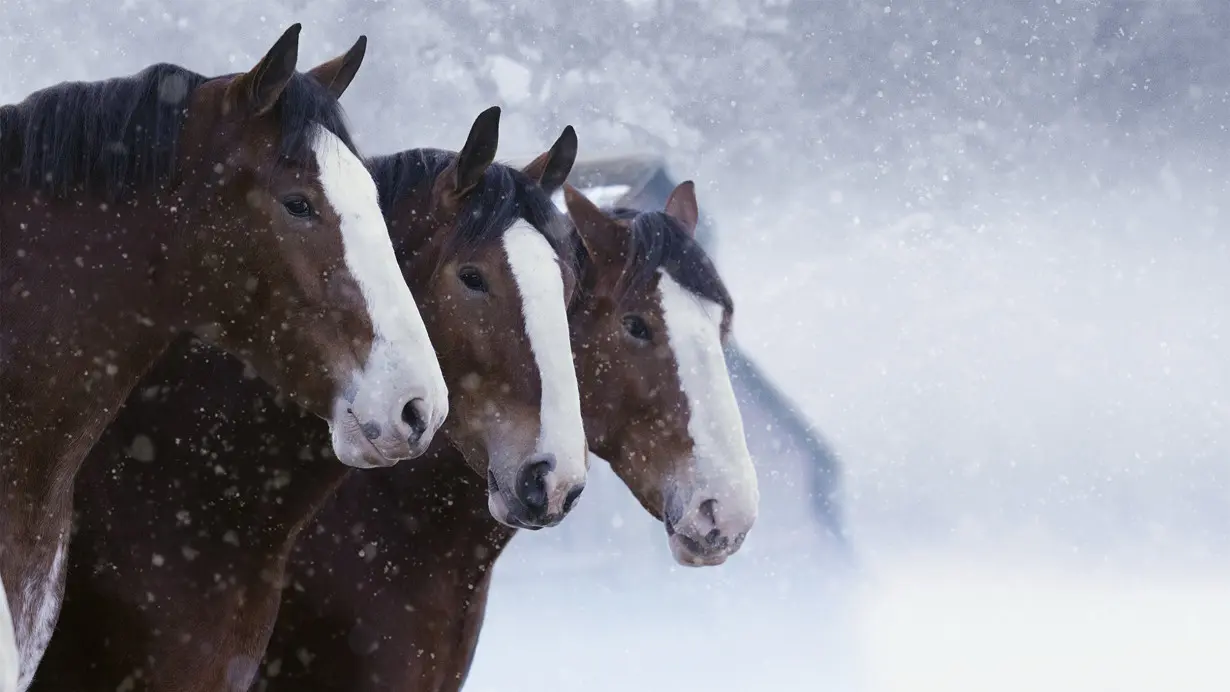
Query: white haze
{"x":987,"y":258}
{"x":1034,"y":417}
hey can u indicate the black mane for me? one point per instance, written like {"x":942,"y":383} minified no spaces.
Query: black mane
{"x":504,"y":196}
{"x":118,"y":135}
{"x":658,"y":241}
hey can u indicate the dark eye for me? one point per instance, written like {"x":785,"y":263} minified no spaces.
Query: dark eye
{"x":636,"y":328}
{"x":297,"y":206}
{"x":472,"y":279}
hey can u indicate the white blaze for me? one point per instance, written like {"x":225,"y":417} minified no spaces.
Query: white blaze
{"x":723,"y":467}
{"x":402,"y":364}
{"x":535,"y":268}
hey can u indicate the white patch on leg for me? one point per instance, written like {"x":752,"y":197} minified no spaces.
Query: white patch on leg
{"x":722,"y":466}
{"x":402,"y":364}
{"x":37,"y":622}
{"x":10,"y":662}
{"x":536,"y":271}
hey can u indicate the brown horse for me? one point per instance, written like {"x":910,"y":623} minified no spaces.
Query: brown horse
{"x":234,"y":208}
{"x":399,"y":605}
{"x":175,"y":576}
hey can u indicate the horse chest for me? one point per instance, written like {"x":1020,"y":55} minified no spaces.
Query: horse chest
{"x":35,"y":619}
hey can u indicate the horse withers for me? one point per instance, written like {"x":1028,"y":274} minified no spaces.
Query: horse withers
{"x":400,"y":605}
{"x":234,"y":208}
{"x":175,"y":577}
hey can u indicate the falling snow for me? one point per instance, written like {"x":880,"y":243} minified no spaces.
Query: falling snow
{"x":981,"y":246}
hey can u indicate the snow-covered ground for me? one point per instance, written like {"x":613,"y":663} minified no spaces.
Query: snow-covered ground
{"x":939,"y":622}
{"x":959,"y":624}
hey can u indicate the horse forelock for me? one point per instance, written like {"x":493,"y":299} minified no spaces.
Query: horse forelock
{"x":658,"y":242}
{"x":306,"y":104}
{"x":503,"y":197}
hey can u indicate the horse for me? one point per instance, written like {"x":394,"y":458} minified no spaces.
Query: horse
{"x":234,"y":208}
{"x":175,"y":577}
{"x":398,"y":605}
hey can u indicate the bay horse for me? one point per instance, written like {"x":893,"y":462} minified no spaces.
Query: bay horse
{"x":398,"y":605}
{"x":234,"y":208}
{"x":175,"y":577}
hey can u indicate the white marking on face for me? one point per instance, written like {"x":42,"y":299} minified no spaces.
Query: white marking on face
{"x":10,"y":661}
{"x":722,"y":468}
{"x":402,"y":364}
{"x":41,"y":609}
{"x":536,"y":271}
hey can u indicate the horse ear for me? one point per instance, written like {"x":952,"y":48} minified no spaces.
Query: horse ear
{"x":599,"y":234}
{"x":477,"y":154}
{"x":338,"y":73}
{"x":257,"y":91}
{"x":551,"y":168}
{"x":681,"y":206}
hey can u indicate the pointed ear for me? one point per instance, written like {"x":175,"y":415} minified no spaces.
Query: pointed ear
{"x":257,"y":91}
{"x":338,"y":73}
{"x":467,"y":170}
{"x":551,"y":168}
{"x":681,"y":206}
{"x":603,"y":238}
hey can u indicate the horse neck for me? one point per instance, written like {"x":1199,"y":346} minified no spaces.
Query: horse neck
{"x":83,"y":321}
{"x":445,"y":499}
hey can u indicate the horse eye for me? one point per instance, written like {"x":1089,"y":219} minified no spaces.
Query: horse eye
{"x":472,"y":279}
{"x":636,"y":328}
{"x":297,"y":206}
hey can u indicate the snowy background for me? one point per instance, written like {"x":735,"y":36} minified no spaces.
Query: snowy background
{"x":983,"y":244}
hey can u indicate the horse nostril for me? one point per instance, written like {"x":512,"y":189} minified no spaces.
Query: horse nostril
{"x":708,"y":510}
{"x":572,"y":497}
{"x":532,"y":484}
{"x":414,"y":414}
{"x":370,"y":430}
